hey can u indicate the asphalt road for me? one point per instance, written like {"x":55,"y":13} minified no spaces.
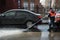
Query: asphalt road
{"x":19,"y":34}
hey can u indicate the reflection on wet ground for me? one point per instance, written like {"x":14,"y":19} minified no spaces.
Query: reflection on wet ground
{"x":55,"y":36}
{"x":18,"y":34}
{"x":31,"y":36}
{"x":23,"y":36}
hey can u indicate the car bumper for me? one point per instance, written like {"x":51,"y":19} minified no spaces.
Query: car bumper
{"x":57,"y":20}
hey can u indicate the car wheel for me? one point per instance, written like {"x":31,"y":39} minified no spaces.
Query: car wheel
{"x":29,"y":24}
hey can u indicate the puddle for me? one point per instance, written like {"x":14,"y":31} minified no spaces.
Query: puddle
{"x":7,"y":32}
{"x":44,"y":32}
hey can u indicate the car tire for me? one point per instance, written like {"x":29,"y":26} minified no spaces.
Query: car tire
{"x":29,"y":24}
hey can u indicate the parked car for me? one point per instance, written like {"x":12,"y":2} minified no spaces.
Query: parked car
{"x":19,"y":16}
{"x":57,"y":21}
{"x":57,"y":17}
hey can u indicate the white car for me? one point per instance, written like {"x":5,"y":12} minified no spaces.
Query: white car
{"x":57,"y":17}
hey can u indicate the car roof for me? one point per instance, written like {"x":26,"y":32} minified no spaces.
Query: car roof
{"x":18,"y":10}
{"x":22,"y":10}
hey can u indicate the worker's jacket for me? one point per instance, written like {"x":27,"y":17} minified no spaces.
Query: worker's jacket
{"x":52,"y":15}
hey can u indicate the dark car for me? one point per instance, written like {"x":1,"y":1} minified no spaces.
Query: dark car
{"x":19,"y":16}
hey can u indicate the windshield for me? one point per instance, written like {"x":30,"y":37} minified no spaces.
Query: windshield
{"x":58,"y":11}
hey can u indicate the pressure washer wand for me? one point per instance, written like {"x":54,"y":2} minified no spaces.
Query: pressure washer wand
{"x":37,"y":22}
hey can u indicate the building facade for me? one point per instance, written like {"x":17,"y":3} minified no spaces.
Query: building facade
{"x":32,"y":5}
{"x":57,"y":4}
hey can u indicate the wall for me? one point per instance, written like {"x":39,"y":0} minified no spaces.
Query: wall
{"x":57,"y":4}
{"x":13,"y":4}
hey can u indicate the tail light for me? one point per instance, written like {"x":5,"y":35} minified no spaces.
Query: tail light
{"x":39,"y":17}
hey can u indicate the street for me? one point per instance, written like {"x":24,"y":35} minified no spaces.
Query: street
{"x":20,"y":34}
{"x":29,"y":20}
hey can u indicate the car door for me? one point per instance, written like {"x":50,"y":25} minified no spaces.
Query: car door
{"x":31,"y":16}
{"x":20,"y":17}
{"x":9,"y":17}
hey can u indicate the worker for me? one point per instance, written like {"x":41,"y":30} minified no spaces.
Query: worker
{"x":52,"y":18}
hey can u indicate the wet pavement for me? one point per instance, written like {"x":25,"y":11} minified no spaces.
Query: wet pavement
{"x":23,"y":36}
{"x":19,"y":34}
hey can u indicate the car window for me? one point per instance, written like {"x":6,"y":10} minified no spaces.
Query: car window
{"x":28,"y":12}
{"x":19,"y":13}
{"x":11,"y":13}
{"x":58,"y":11}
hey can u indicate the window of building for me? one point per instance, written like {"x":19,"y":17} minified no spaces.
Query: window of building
{"x":25,"y":4}
{"x":32,"y":5}
{"x":18,"y":3}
